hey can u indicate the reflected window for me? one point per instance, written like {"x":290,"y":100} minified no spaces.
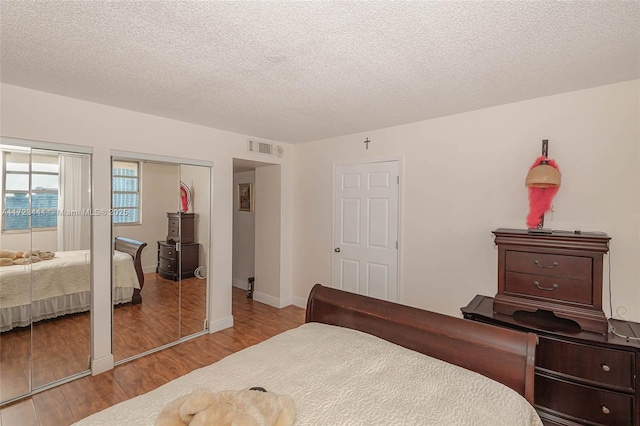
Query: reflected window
{"x":30,"y":190}
{"x":126,"y":191}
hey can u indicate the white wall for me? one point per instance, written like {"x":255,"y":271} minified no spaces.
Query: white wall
{"x":244,"y":231}
{"x":31,"y":114}
{"x":25,"y":240}
{"x":268,"y":230}
{"x":464,"y":177}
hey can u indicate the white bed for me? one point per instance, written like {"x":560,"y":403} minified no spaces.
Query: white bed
{"x":358,"y":379}
{"x":59,"y":286}
{"x":341,"y":376}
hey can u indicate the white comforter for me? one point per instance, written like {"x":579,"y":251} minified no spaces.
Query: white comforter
{"x":338,"y":376}
{"x":67,"y":273}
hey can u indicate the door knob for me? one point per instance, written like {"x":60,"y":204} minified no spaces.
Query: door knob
{"x":337,"y":249}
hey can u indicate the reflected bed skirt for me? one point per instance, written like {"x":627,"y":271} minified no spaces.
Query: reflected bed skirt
{"x":20,"y":316}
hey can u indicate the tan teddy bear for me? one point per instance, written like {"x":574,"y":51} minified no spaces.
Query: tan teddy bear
{"x":8,"y":257}
{"x":32,"y":256}
{"x":247,"y":407}
{"x":31,"y":253}
{"x":5,"y":261}
{"x":46,"y":255}
{"x":26,"y":260}
{"x":10,"y":254}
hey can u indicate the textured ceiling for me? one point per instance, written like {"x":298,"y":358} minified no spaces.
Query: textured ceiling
{"x":302,"y":71}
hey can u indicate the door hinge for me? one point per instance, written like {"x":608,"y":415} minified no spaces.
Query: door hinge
{"x":398,"y":180}
{"x":396,"y":245}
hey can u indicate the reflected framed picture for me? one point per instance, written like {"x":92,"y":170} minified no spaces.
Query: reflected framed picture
{"x":245,"y":197}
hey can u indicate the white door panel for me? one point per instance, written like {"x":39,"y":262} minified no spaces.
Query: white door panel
{"x":366,"y":229}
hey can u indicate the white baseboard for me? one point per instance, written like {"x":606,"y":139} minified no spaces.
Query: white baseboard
{"x":300,"y":302}
{"x":221,"y":324}
{"x":284,"y":302}
{"x":102,"y":364}
{"x":148,"y":269}
{"x":270,"y":300}
{"x":240,"y":283}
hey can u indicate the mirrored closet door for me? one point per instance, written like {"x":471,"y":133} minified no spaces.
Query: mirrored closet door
{"x":45,"y":277}
{"x":161,"y":218}
{"x":194,"y":196}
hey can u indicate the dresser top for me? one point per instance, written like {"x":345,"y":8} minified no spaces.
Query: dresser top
{"x":567,"y":240}
{"x":481,"y":307}
{"x":183,"y":214}
{"x":553,"y":234}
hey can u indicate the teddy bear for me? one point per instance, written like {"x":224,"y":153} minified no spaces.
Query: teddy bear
{"x":41,"y":255}
{"x":246,"y":407}
{"x":7,"y":257}
{"x":10,"y":257}
{"x":26,"y":260}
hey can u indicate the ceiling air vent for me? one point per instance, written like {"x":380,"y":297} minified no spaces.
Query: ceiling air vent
{"x":261,"y":147}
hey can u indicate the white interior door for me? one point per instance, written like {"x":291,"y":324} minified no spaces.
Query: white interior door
{"x":366,"y":229}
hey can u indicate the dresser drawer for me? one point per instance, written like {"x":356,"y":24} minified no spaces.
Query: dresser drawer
{"x":168,"y":251}
{"x":173,"y":229}
{"x":605,"y":366}
{"x":174,"y":223}
{"x":583,"y":403}
{"x":549,"y":287}
{"x":556,"y":265}
{"x":168,"y":265}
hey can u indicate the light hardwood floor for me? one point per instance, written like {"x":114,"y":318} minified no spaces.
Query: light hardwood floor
{"x":68,"y":403}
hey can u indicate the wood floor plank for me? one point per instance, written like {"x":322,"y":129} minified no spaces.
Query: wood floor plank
{"x":53,"y":408}
{"x":253,"y":322}
{"x":21,"y":413}
{"x":91,"y":394}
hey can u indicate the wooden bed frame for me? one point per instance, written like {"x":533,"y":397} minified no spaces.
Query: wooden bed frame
{"x":134,"y":249}
{"x":504,"y":355}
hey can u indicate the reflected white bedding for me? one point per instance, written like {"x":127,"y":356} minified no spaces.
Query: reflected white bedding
{"x":55,"y":287}
{"x":339,"y":376}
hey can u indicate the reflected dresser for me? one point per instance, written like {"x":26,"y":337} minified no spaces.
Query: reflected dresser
{"x":179,"y":254}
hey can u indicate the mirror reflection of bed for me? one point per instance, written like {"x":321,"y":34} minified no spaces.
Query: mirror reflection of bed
{"x":60,"y":285}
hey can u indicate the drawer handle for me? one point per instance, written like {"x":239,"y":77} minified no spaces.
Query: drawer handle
{"x":553,"y":287}
{"x":605,"y":367}
{"x":170,"y":253}
{"x":539,"y":265}
{"x":605,"y":410}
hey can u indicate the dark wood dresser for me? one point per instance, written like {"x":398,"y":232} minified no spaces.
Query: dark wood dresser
{"x":172,"y":267}
{"x":181,"y":227}
{"x":560,"y":272}
{"x":581,"y":378}
{"x":179,"y":254}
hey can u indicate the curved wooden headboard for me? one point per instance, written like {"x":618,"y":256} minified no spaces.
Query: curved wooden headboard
{"x":134,"y":249}
{"x":506,"y":356}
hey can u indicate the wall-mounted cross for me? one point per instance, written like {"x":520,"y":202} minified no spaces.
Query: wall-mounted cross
{"x":366,"y":142}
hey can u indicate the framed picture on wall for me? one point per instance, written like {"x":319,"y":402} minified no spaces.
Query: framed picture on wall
{"x":245,"y":197}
